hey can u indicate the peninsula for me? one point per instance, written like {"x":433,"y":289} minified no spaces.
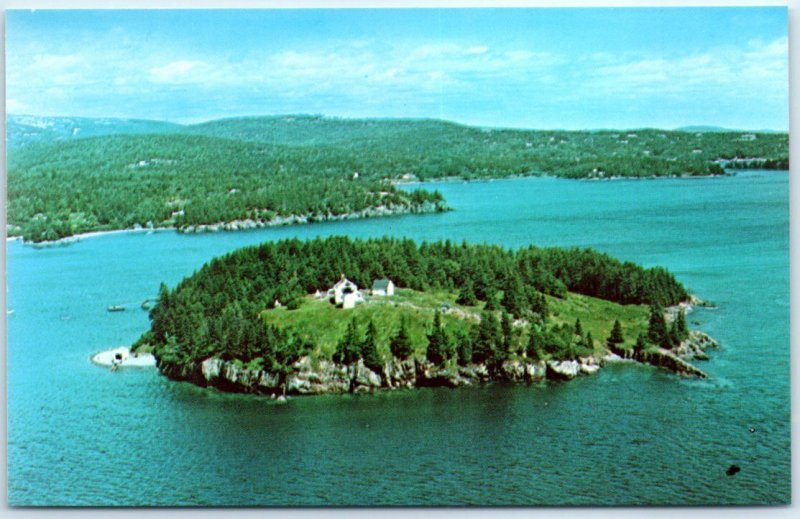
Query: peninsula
{"x":284,"y":318}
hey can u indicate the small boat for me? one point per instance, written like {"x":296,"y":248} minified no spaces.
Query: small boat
{"x":148,"y":303}
{"x":116,"y":308}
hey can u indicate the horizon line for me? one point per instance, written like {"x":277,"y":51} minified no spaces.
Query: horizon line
{"x":689,"y":127}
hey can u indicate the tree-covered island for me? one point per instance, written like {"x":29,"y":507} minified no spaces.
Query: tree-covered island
{"x":342,"y":315}
{"x":251,"y":172}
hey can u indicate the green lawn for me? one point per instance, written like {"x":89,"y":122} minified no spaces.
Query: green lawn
{"x":325,"y":324}
{"x":598,"y":315}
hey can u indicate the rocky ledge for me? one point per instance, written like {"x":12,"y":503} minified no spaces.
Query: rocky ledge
{"x":676,"y":359}
{"x":309,"y":376}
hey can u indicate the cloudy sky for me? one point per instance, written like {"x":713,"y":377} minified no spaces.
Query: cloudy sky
{"x":534,"y":68}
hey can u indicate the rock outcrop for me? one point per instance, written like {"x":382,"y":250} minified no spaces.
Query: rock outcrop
{"x":309,"y":376}
{"x":695,"y":346}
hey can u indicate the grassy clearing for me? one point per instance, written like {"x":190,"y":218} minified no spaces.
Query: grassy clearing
{"x":325,"y":324}
{"x":597,"y":316}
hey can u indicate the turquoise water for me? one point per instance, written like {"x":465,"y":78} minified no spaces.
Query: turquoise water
{"x":80,"y":435}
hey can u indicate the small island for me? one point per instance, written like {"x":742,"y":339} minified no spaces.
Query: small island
{"x":337,"y":315}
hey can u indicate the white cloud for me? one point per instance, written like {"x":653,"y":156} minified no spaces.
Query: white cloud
{"x":761,"y":68}
{"x":181,"y":72}
{"x":393,"y":77}
{"x":16,"y":107}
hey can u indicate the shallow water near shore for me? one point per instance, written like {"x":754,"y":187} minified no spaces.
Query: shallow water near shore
{"x":81,"y":435}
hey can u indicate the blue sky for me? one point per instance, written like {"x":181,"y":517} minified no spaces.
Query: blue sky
{"x":532,"y":68}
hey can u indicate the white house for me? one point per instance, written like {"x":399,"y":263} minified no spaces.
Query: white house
{"x":351,"y":299}
{"x":342,"y":289}
{"x":382,"y":287}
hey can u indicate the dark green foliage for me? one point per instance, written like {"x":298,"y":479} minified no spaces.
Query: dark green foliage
{"x":715,"y":169}
{"x":641,"y":344}
{"x":515,"y":297}
{"x":466,"y":295}
{"x":401,"y":343}
{"x":578,"y":328}
{"x":348,"y":351}
{"x":615,"y":339}
{"x":488,"y":338}
{"x":539,"y":310}
{"x":679,"y":331}
{"x":463,"y":345}
{"x":588,"y":342}
{"x":596,"y":274}
{"x":439,"y":345}
{"x":369,"y":348}
{"x":559,"y":342}
{"x":657,"y":328}
{"x":536,"y":344}
{"x":217,"y":310}
{"x":491,"y":301}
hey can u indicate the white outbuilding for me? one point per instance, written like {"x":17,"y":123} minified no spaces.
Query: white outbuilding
{"x":382,"y":287}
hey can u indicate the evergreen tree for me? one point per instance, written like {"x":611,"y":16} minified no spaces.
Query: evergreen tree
{"x":657,"y":328}
{"x":369,"y":348}
{"x":349,"y":348}
{"x":578,"y":327}
{"x":438,"y":341}
{"x":466,"y":296}
{"x":640,"y":345}
{"x":588,"y":342}
{"x":515,"y":299}
{"x":487,"y":339}
{"x":401,"y":342}
{"x":491,"y":301}
{"x":463,"y":344}
{"x":159,"y":313}
{"x":616,"y":338}
{"x":538,"y":305}
{"x":535,"y":348}
{"x":680,"y":326}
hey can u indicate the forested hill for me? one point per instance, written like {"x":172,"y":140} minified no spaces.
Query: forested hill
{"x":431,"y":149}
{"x":24,"y":130}
{"x":259,"y":169}
{"x":117,"y":182}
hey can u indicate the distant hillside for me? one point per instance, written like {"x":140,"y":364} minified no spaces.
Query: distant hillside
{"x":23,"y":130}
{"x":714,"y":129}
{"x":308,"y":130}
{"x":258,"y":169}
{"x":426,"y":149}
{"x":719,"y":129}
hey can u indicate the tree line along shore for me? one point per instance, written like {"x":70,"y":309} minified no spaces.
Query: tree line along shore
{"x":252,"y":172}
{"x":264,"y":319}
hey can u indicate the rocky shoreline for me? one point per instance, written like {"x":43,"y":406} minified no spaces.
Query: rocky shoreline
{"x":310,"y":376}
{"x":277,"y":221}
{"x":239,"y":225}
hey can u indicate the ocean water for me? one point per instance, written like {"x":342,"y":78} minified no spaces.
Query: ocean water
{"x":81,"y":435}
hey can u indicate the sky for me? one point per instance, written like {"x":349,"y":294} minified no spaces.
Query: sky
{"x":540,"y":68}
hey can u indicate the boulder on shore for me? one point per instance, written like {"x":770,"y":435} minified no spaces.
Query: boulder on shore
{"x":563,"y":369}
